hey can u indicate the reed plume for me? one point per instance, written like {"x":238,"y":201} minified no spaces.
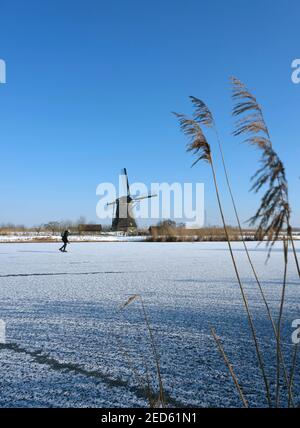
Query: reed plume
{"x":204,"y":116}
{"x":199,"y":145}
{"x":273,"y":214}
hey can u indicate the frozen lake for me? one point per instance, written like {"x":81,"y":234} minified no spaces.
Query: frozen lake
{"x":66,"y":336}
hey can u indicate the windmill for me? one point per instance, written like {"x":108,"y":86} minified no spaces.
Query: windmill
{"x":123,"y":218}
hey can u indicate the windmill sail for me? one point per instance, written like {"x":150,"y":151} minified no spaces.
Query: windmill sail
{"x":127,"y":181}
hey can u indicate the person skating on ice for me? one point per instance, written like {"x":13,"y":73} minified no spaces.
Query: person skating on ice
{"x":65,"y":240}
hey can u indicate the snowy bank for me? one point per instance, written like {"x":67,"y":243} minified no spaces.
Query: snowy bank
{"x":23,"y":237}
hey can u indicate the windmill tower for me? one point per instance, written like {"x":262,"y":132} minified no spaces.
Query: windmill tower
{"x":123,"y":219}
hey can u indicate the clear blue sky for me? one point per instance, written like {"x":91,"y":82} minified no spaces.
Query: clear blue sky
{"x":90,"y":86}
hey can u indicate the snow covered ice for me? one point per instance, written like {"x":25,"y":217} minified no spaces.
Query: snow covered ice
{"x":68,"y":344}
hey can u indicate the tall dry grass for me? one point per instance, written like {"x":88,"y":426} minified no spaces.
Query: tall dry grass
{"x":204,"y":115}
{"x":272,"y":217}
{"x":272,"y":221}
{"x":209,"y":234}
{"x":230,"y":368}
{"x":155,"y":400}
{"x":199,"y":146}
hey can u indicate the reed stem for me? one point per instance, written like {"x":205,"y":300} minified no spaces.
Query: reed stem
{"x":230,"y":368}
{"x":258,"y":353}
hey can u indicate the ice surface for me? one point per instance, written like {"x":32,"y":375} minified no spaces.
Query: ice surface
{"x":68,"y":344}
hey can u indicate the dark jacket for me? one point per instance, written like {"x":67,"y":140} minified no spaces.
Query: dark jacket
{"x":64,"y":237}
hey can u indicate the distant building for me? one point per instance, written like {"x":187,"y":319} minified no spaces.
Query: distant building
{"x":89,"y":228}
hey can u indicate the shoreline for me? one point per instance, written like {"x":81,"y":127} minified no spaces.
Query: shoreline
{"x":131,"y":240}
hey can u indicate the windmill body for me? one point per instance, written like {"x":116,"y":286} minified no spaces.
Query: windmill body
{"x":123,"y":219}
